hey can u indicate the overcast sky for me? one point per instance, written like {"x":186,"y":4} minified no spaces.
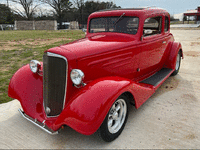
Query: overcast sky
{"x":172,"y":6}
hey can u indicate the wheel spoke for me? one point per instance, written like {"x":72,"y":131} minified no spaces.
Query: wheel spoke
{"x":118,"y":107}
{"x":113,"y":107}
{"x":116,"y":125}
{"x":110,"y":122}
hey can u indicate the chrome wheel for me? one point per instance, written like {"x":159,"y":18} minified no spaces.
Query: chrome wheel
{"x":178,"y":61}
{"x":116,"y":116}
{"x":115,"y":120}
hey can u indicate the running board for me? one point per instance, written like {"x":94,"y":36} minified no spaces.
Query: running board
{"x":37,"y":123}
{"x":158,"y":77}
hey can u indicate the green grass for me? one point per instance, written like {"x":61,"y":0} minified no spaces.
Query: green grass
{"x":36,"y":34}
{"x":21,"y":54}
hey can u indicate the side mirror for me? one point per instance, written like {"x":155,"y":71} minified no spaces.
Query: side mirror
{"x":147,"y":32}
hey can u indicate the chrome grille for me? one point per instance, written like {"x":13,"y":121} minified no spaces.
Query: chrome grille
{"x":54,"y":83}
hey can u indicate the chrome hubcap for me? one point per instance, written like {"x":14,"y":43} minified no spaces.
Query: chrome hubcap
{"x":177,"y":61}
{"x":117,"y":115}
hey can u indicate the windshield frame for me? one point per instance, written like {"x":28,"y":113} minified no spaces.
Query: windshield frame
{"x":121,"y":19}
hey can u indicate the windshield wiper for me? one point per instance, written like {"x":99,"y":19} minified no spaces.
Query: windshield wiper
{"x":119,"y":18}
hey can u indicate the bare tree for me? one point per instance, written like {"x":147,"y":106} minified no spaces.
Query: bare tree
{"x":79,"y":4}
{"x":29,"y":8}
{"x":60,"y":7}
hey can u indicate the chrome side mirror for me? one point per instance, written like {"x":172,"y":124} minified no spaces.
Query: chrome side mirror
{"x":147,"y":32}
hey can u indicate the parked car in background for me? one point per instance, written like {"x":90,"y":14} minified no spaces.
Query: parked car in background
{"x":89,"y":84}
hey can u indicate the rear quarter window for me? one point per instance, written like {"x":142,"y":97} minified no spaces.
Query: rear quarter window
{"x":166,"y":24}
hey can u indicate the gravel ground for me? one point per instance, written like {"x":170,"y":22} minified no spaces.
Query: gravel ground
{"x":169,"y":119}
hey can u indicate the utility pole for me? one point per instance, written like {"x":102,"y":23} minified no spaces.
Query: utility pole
{"x":7,"y":3}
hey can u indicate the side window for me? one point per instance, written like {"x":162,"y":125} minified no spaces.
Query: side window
{"x":132,"y":25}
{"x":166,"y":24}
{"x":152,"y":26}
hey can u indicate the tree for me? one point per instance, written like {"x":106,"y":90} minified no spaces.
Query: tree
{"x":79,"y":5}
{"x":29,"y":8}
{"x":61,"y":7}
{"x":108,"y":5}
{"x":84,"y":9}
{"x":6,"y":16}
{"x":91,"y":6}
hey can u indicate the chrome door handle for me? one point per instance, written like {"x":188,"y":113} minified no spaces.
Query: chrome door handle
{"x":164,"y":42}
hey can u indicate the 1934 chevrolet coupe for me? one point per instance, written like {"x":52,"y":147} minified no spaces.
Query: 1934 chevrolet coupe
{"x":88,"y":84}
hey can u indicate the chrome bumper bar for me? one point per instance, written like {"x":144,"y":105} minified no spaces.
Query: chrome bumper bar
{"x":37,"y":123}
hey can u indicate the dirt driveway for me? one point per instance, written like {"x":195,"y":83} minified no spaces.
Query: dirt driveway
{"x":169,"y":119}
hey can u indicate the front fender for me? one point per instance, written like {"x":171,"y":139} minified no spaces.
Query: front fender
{"x":87,"y":109}
{"x":27,"y":87}
{"x":171,"y":61}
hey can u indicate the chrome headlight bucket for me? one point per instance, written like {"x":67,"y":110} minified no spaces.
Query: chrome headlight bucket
{"x":77,"y":76}
{"x":34,"y":66}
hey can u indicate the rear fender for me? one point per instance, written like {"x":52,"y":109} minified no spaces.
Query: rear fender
{"x":88,"y":108}
{"x":171,"y":60}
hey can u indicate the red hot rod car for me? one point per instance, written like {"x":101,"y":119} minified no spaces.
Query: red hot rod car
{"x":88,"y":84}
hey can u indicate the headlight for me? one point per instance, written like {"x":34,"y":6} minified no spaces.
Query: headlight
{"x":34,"y":66}
{"x":76,"y":76}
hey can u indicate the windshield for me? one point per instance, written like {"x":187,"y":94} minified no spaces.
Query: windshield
{"x":127,"y":25}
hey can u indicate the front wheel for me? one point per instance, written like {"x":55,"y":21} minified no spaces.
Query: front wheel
{"x":178,"y":63}
{"x":115,"y":120}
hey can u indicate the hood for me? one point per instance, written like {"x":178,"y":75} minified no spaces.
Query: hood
{"x":98,"y":44}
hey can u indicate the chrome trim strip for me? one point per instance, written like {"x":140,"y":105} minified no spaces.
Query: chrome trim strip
{"x":22,"y":113}
{"x":60,"y":56}
{"x":56,"y":55}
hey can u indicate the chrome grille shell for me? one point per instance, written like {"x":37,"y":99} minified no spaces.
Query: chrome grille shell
{"x":55,"y":71}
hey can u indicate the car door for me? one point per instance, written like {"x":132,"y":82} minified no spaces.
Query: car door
{"x":152,"y":46}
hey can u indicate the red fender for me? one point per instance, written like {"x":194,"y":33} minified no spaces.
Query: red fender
{"x":87,"y":109}
{"x":27,"y":87}
{"x":171,"y":60}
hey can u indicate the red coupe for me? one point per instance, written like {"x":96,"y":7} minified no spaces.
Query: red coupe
{"x":89,"y":84}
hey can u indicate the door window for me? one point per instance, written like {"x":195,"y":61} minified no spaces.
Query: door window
{"x":152,"y":26}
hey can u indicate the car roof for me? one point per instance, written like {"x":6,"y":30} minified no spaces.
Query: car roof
{"x":136,"y":8}
{"x":129,"y":11}
{"x":112,"y":9}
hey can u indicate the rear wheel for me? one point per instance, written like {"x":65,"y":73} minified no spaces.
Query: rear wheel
{"x":115,"y":120}
{"x":178,"y":63}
